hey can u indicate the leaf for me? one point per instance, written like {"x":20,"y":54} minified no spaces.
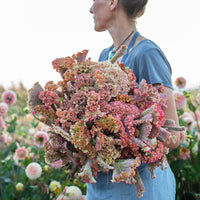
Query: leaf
{"x":191,"y":107}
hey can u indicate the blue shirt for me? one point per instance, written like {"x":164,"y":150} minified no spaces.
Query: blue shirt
{"x":147,"y":62}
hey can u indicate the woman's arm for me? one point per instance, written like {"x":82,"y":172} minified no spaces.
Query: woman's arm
{"x":171,"y":113}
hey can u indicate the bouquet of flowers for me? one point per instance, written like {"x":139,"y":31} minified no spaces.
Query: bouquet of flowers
{"x":101,"y":119}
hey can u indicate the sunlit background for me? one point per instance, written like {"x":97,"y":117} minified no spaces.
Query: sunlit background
{"x":35,"y":32}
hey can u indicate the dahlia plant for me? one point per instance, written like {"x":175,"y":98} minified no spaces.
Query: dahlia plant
{"x":184,"y":160}
{"x":100,"y":118}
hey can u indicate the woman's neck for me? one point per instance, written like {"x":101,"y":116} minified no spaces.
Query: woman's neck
{"x":121,"y":29}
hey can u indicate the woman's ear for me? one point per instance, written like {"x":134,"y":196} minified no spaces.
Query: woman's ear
{"x":113,"y":4}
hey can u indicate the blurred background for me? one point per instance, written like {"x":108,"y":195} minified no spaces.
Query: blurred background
{"x":34,"y":33}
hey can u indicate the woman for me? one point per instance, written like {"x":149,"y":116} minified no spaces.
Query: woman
{"x":148,"y":62}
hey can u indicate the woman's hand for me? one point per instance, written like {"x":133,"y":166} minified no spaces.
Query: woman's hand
{"x":170,"y":113}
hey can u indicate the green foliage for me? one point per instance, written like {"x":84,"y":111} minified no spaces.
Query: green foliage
{"x":21,"y":126}
{"x":185,"y":160}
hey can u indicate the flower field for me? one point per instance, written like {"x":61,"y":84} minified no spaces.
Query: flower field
{"x":25,"y":175}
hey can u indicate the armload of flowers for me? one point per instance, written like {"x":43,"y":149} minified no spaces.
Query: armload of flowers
{"x":101,"y":119}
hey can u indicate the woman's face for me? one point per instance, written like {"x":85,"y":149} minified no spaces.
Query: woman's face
{"x":102,"y":14}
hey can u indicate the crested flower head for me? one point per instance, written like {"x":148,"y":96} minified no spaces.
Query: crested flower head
{"x":179,"y":100}
{"x":3,"y":109}
{"x":21,"y":153}
{"x":9,"y":97}
{"x":33,"y":171}
{"x":180,"y":82}
{"x":54,"y":186}
{"x":40,"y":138}
{"x":57,"y":164}
{"x":98,"y":115}
{"x":19,"y":186}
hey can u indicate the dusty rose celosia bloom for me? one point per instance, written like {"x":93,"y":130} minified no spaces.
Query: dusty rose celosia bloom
{"x":57,"y":164}
{"x":40,"y":138}
{"x":21,"y":153}
{"x":3,"y":108}
{"x":33,"y":171}
{"x":9,"y":97}
{"x":180,"y":82}
{"x":179,"y":100}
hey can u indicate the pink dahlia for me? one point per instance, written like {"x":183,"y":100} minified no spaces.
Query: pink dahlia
{"x":57,"y":164}
{"x":198,"y":98}
{"x":179,"y":100}
{"x":40,"y":138}
{"x":9,"y":97}
{"x":73,"y":193}
{"x":183,"y":136}
{"x":21,"y":153}
{"x":180,"y":82}
{"x":3,"y":139}
{"x":2,"y":123}
{"x":3,"y":108}
{"x":33,"y":171}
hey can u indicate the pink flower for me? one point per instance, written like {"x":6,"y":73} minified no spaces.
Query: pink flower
{"x":73,"y":193}
{"x":21,"y":153}
{"x":184,"y":153}
{"x":57,"y":164}
{"x":3,"y":138}
{"x":33,"y":171}
{"x":9,"y":140}
{"x":198,"y":98}
{"x":180,"y":82}
{"x":183,"y":135}
{"x":9,"y":97}
{"x":2,"y":123}
{"x":40,"y":138}
{"x":3,"y":109}
{"x":179,"y":100}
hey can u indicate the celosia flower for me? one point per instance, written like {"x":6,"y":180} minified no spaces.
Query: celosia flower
{"x":179,"y":100}
{"x":33,"y":171}
{"x":180,"y":82}
{"x":3,"y":109}
{"x":40,"y":138}
{"x":9,"y":97}
{"x":98,"y":114}
{"x":21,"y":153}
{"x":57,"y":164}
{"x":54,"y":186}
{"x":19,"y":186}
